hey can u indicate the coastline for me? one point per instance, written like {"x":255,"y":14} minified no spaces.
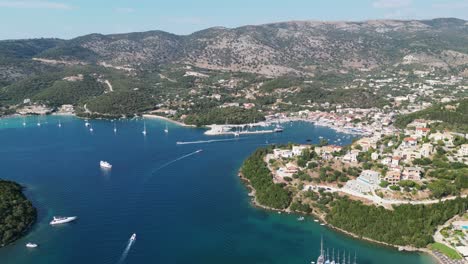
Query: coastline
{"x":151,"y":116}
{"x":256,"y":204}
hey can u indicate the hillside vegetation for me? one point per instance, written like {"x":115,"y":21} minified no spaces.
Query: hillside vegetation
{"x":454,"y":116}
{"x":16,"y":213}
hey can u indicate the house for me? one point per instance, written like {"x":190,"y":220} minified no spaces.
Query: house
{"x":426,"y":150}
{"x":351,"y":156}
{"x":409,"y":142}
{"x":282,"y":153}
{"x":418,"y":123}
{"x":422,"y":132}
{"x":463,"y":151}
{"x":386,"y":161}
{"x":395,"y":161}
{"x":288,"y":171}
{"x":297,"y":150}
{"x":366,"y":143}
{"x":393,"y":177}
{"x":370,"y":177}
{"x":412,"y":173}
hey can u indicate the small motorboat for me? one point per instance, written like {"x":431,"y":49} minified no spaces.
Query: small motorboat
{"x":31,"y":245}
{"x":105,"y":165}
{"x":315,"y":220}
{"x":133,"y":237}
{"x":300,"y":218}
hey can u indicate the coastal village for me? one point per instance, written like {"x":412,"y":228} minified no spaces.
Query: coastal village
{"x":385,"y":169}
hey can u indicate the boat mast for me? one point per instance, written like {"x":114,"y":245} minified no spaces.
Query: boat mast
{"x":338,"y":260}
{"x":354,"y":257}
{"x":349,"y":258}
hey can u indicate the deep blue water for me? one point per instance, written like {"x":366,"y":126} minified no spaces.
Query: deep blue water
{"x":193,"y":210}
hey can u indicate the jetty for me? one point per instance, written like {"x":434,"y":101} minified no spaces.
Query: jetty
{"x":235,"y":130}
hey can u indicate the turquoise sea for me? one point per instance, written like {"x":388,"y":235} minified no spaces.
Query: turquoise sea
{"x":185,"y":207}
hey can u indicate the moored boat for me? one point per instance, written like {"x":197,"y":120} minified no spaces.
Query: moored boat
{"x":62,"y":220}
{"x":31,"y":245}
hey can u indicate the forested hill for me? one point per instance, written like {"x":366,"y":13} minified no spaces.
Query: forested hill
{"x":453,"y":116}
{"x":16,"y":213}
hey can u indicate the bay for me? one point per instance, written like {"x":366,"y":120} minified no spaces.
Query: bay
{"x":185,"y":206}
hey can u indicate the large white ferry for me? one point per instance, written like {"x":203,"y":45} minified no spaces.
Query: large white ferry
{"x":105,"y":165}
{"x":62,"y":220}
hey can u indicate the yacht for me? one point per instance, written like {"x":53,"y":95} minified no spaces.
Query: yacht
{"x":133,"y":237}
{"x":300,"y":218}
{"x":278,"y":129}
{"x":31,"y":245}
{"x":87,"y":124}
{"x":166,"y":130}
{"x":62,"y":220}
{"x":105,"y":165}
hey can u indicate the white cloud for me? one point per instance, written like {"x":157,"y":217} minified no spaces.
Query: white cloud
{"x":34,"y":4}
{"x":125,"y":10}
{"x":391,"y":3}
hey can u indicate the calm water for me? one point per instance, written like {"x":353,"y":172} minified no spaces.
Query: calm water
{"x":184,"y":209}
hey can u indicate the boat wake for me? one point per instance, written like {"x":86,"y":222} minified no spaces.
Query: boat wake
{"x":125,"y":252}
{"x":175,"y":160}
{"x":205,"y":141}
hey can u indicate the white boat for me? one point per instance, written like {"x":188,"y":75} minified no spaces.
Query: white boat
{"x":91,"y":129}
{"x":59,"y":124}
{"x":87,"y":124}
{"x":62,"y":220}
{"x":31,"y":245}
{"x":316,"y":220}
{"x":133,"y":237}
{"x":322,"y":224}
{"x":300,"y":218}
{"x":278,"y":129}
{"x":115,"y":128}
{"x":105,"y":165}
{"x":38,"y":124}
{"x":166,"y":130}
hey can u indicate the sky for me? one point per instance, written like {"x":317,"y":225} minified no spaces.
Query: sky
{"x":71,"y":18}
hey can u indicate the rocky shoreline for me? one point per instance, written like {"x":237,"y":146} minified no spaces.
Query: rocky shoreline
{"x":255,"y":203}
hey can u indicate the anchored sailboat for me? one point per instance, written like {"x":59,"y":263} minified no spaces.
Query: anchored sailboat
{"x":144,"y":129}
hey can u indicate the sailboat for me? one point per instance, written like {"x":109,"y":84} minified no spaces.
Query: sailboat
{"x":144,"y":129}
{"x":24,"y":122}
{"x":115,"y":128}
{"x":59,"y":124}
{"x":166,"y":130}
{"x":321,"y":258}
{"x":38,"y":122}
{"x":327,"y":261}
{"x":333,"y":257}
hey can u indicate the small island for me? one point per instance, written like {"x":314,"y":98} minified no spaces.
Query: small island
{"x":17,"y":213}
{"x":396,"y":189}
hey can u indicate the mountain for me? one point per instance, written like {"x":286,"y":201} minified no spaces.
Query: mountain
{"x":308,"y":60}
{"x":298,"y":47}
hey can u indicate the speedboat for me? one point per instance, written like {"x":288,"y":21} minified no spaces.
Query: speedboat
{"x":105,"y":165}
{"x":133,"y":237}
{"x":198,"y":151}
{"x":62,"y":220}
{"x":31,"y":245}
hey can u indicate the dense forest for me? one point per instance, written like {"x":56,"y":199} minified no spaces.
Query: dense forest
{"x":404,"y":225}
{"x":452,"y":119}
{"x":230,"y":115}
{"x":267,"y":193}
{"x":16,"y":213}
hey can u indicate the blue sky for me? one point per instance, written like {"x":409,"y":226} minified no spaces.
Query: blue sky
{"x":71,"y":18}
